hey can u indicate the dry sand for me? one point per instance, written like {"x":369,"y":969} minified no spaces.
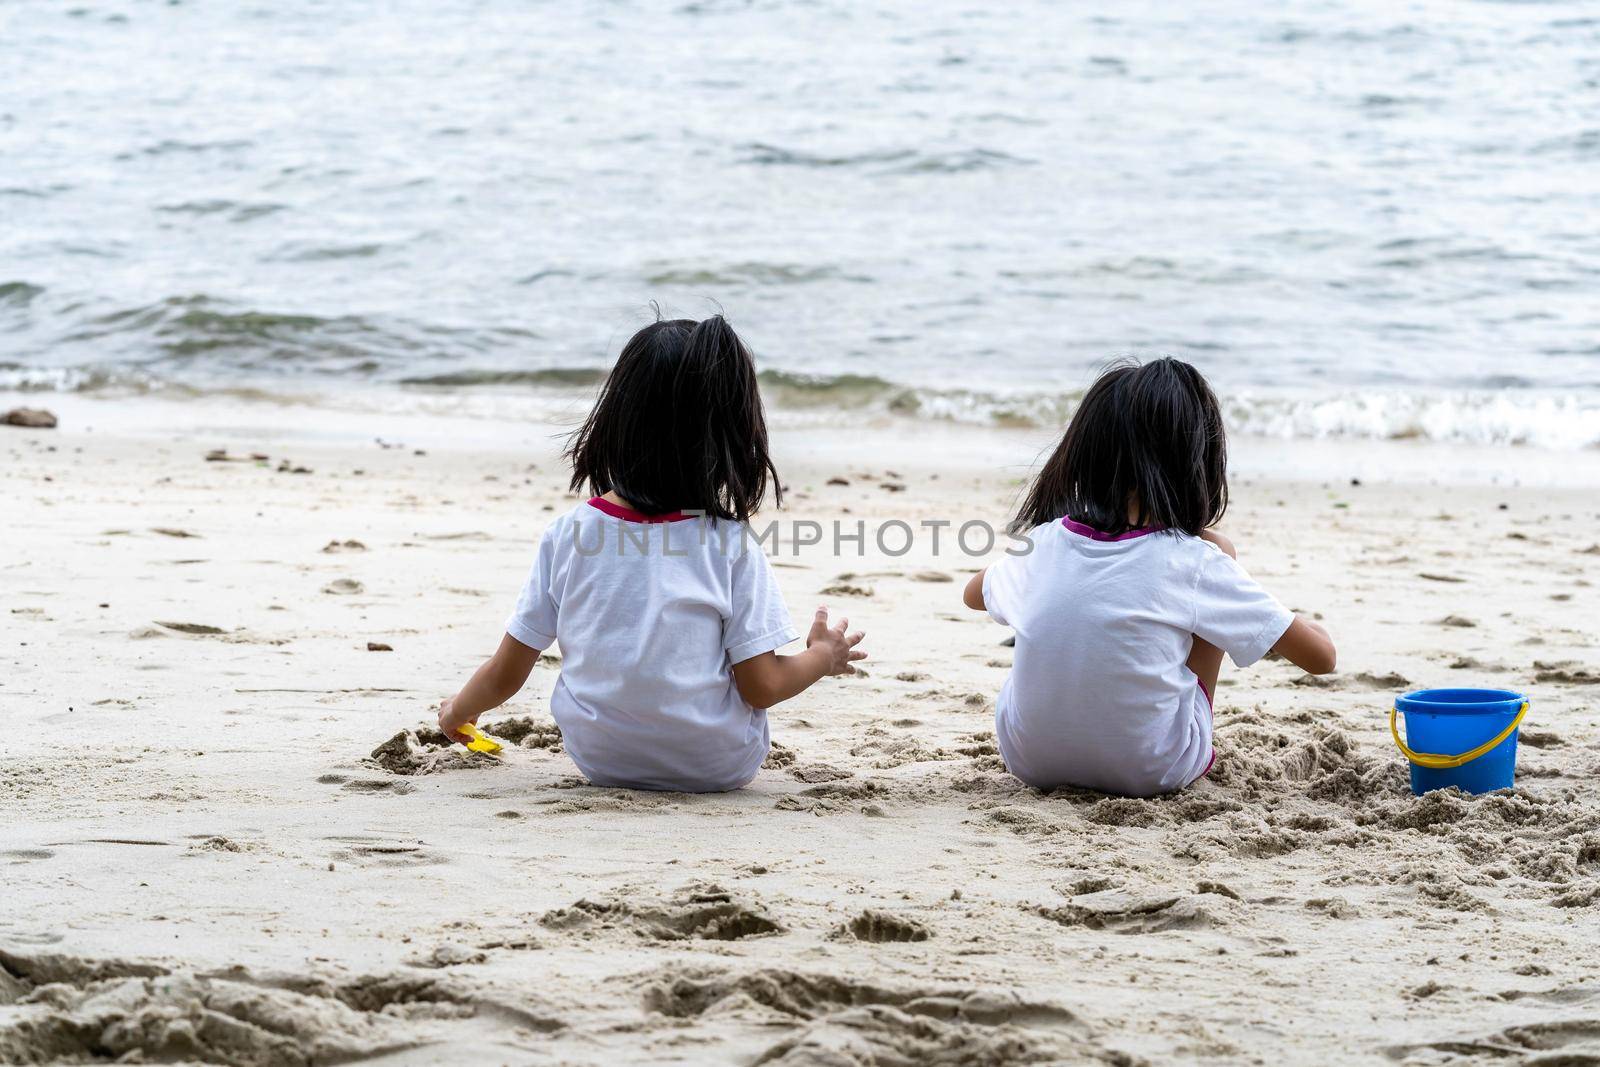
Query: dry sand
{"x":202,"y":862}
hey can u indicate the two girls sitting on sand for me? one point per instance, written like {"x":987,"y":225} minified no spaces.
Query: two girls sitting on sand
{"x":670,"y":618}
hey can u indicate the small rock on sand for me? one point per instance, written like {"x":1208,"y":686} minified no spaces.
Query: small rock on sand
{"x":29,"y":418}
{"x":379,"y":646}
{"x":343,"y":587}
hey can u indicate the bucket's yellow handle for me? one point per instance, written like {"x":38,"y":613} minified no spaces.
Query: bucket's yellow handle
{"x":1436,"y":762}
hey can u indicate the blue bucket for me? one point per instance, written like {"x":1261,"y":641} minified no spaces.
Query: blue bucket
{"x":1465,"y":738}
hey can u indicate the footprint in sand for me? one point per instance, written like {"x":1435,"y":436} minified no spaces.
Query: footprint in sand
{"x":1362,"y":680}
{"x":835,"y":798}
{"x":373,"y":850}
{"x":196,"y":628}
{"x":13,"y":856}
{"x":1128,"y":912}
{"x":379,"y":785}
{"x":344,"y":546}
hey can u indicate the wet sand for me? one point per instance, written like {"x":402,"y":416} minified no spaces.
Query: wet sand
{"x":203,"y":861}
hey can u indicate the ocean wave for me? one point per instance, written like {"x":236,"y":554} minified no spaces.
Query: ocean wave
{"x":754,"y":273}
{"x":299,"y":252}
{"x":1534,"y":418}
{"x":782,"y":388}
{"x":236,"y":211}
{"x":207,"y":334}
{"x":889,"y":160}
{"x":1508,"y":416}
{"x":18,"y":294}
{"x":107,"y":381}
{"x":558,"y":377}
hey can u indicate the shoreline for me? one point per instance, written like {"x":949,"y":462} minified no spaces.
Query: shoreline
{"x":520,"y":422}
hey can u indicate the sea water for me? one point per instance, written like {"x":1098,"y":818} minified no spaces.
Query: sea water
{"x":1359,"y":218}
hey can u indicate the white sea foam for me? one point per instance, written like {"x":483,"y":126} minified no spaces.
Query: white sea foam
{"x":1504,"y":417}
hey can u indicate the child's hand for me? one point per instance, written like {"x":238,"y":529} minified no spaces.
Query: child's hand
{"x":837,"y":647}
{"x":450,"y":721}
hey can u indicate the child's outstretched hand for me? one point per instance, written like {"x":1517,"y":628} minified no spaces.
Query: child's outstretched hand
{"x":838,"y":647}
{"x":450,"y":721}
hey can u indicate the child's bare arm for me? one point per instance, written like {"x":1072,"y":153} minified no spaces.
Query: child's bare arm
{"x":972,"y":596}
{"x":1308,"y":646}
{"x":491,"y":685}
{"x":770,"y":679}
{"x":1305,"y":644}
{"x":1220,"y":541}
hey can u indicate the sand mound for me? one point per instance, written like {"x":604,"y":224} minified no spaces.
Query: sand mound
{"x":1571,"y":1043}
{"x":695,"y":912}
{"x":425,"y":751}
{"x":527,"y":732}
{"x":1127,"y":912}
{"x":881,"y":926}
{"x":886,"y":749}
{"x":845,"y":1022}
{"x":1273,"y":792}
{"x":63,"y":1008}
{"x":1257,"y":758}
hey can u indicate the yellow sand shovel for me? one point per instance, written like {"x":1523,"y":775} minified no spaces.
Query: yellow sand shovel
{"x":481,"y":742}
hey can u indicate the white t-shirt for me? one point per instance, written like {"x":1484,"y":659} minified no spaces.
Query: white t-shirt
{"x":651,"y":614}
{"x":1100,"y":695}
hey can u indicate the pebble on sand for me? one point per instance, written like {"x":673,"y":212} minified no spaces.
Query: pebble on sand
{"x":30,"y":418}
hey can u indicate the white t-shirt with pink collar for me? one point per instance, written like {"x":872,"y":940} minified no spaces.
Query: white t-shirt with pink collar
{"x":1100,"y":695}
{"x":651,"y":613}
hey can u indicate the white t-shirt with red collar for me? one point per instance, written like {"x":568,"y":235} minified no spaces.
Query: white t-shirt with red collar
{"x":1100,"y":695}
{"x":651,"y":613}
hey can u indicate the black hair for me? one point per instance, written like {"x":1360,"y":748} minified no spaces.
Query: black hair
{"x":678,"y":425}
{"x":1151,"y":433}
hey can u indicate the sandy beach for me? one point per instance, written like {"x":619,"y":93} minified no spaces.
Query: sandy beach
{"x":202,"y":861}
